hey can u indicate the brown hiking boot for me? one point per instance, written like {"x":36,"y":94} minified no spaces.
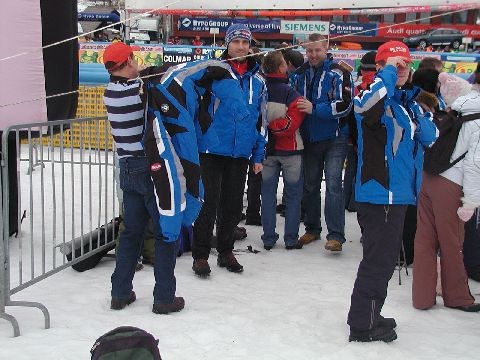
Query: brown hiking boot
{"x":333,"y":245}
{"x":307,"y":238}
{"x":201,"y":267}
{"x":177,"y":305}
{"x":119,"y":304}
{"x":230,"y":262}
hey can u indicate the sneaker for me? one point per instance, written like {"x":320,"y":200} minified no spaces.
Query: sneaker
{"x":386,"y":322}
{"x":230,"y":262}
{"x":119,"y":304}
{"x":307,"y":238}
{"x":378,"y":333}
{"x":177,"y":305}
{"x":201,"y":267}
{"x":239,"y":233}
{"x":255,"y":221}
{"x":268,"y":247}
{"x":333,"y":245}
{"x":467,"y":308}
{"x":298,"y":246}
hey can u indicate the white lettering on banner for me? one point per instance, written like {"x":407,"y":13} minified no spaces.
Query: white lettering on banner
{"x":395,"y":31}
{"x":214,"y":23}
{"x":411,"y":32}
{"x":176,"y":58}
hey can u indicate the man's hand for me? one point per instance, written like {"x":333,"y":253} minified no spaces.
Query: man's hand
{"x":396,"y":61}
{"x":257,"y":167}
{"x":304,"y":105}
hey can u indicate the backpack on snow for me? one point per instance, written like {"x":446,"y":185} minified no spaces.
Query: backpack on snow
{"x":126,"y":342}
{"x":437,"y":158}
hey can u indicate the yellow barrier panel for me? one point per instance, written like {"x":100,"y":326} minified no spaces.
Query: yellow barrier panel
{"x":93,"y":134}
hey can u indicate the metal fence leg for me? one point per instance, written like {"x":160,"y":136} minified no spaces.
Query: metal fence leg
{"x":4,"y":286}
{"x":13,"y":321}
{"x":42,"y":307}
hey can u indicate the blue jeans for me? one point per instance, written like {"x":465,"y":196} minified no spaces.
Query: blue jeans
{"x":139,"y":204}
{"x":328,"y":156}
{"x":291,"y":167}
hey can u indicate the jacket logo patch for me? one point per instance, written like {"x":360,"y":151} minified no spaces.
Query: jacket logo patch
{"x":164,"y":108}
{"x":155,"y":167}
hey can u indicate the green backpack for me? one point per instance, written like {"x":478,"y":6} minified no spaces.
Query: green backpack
{"x":126,"y":343}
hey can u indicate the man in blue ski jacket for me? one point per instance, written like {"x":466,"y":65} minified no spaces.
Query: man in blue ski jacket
{"x":328,"y":93}
{"x":392,"y":134}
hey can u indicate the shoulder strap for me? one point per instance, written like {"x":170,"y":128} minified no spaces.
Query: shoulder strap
{"x":465,"y":118}
{"x":470,"y":117}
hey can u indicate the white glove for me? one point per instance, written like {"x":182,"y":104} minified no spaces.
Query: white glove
{"x":465,"y":213}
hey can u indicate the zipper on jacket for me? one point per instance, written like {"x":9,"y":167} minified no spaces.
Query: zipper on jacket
{"x":387,"y":174}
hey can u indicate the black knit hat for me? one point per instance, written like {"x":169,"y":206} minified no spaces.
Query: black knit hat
{"x":367,"y":63}
{"x":426,"y":79}
{"x":293,"y":57}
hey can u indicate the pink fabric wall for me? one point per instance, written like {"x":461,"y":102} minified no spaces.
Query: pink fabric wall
{"x":21,"y":78}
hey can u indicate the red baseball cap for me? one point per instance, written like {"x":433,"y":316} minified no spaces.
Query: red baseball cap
{"x":116,"y":54}
{"x":393,"y":48}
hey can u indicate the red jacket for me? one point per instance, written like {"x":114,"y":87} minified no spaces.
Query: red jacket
{"x":284,"y":118}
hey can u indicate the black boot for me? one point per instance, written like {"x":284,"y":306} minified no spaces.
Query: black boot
{"x":378,"y":333}
{"x":386,"y":322}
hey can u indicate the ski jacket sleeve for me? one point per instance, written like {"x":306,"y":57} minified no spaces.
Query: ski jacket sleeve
{"x":258,"y":152}
{"x":426,"y":133}
{"x":471,"y":167}
{"x":290,"y":123}
{"x":341,"y":94}
{"x":171,"y":147}
{"x":370,"y":103}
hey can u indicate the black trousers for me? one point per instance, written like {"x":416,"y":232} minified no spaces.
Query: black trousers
{"x":254,"y":191}
{"x":409,"y":230}
{"x":471,"y":247}
{"x":382,"y":236}
{"x":224,"y":182}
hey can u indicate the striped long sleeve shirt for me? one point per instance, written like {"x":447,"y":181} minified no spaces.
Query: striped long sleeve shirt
{"x":126,"y":113}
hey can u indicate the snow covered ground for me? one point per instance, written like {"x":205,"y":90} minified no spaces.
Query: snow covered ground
{"x":286,"y":305}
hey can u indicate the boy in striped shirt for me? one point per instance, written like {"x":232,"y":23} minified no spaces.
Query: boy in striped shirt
{"x":125,"y":101}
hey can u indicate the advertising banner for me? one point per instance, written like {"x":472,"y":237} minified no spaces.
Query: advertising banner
{"x":92,"y":70}
{"x":92,"y":53}
{"x":98,"y":17}
{"x":173,"y":55}
{"x":205,"y":24}
{"x":360,"y":29}
{"x":304,"y":27}
{"x":406,"y":30}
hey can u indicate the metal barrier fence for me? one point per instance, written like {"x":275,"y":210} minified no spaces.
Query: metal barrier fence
{"x":67,"y":191}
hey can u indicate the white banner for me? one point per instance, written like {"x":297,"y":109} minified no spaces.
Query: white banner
{"x":304,"y":27}
{"x":22,"y":77}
